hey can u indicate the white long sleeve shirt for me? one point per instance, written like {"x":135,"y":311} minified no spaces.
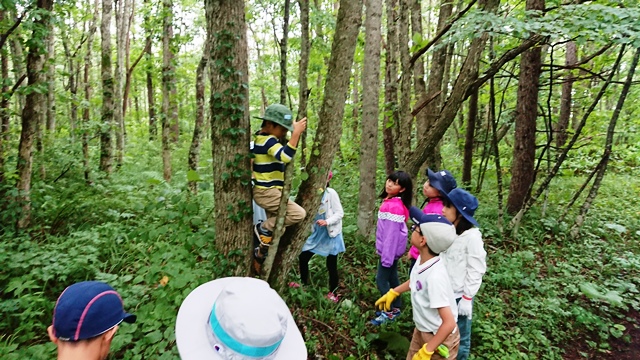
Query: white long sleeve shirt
{"x":465,"y":261}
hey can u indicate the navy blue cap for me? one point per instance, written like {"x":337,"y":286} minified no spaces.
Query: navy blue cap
{"x":88,"y":309}
{"x":465,"y":203}
{"x":442,"y":180}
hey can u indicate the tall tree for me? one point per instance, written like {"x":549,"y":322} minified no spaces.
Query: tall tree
{"x":106,"y":128}
{"x":283,"y":53}
{"x":153,"y":128}
{"x":370,"y":113}
{"x":302,"y":72}
{"x":33,"y":111}
{"x":524,"y":147}
{"x":168,"y":88}
{"x":123,"y":8}
{"x":198,"y":127}
{"x":228,"y":74}
{"x":390,"y":86}
{"x":405,"y":119}
{"x":608,"y":146}
{"x":327,"y":138}
{"x":86,"y":111}
{"x":571,"y":58}
{"x":51,"y":83}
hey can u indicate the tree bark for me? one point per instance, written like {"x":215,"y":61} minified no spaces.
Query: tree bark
{"x":51,"y":88}
{"x":283,"y":53}
{"x":571,"y":58}
{"x":33,"y":111}
{"x":86,"y":111}
{"x":370,"y":114}
{"x":123,"y":8}
{"x":169,"y":93}
{"x":450,"y":108}
{"x":302,"y":73}
{"x":467,"y":161}
{"x":419,"y":85}
{"x":405,"y":121}
{"x":608,"y":148}
{"x":194,"y":150}
{"x":390,"y":87}
{"x":4,"y":104}
{"x":106,"y":128}
{"x":153,"y":128}
{"x":228,"y":69}
{"x":524,"y":147}
{"x":327,"y":136}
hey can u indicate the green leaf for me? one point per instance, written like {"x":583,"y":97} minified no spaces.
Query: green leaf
{"x":193,"y":175}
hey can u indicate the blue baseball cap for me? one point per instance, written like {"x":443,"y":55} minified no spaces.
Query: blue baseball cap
{"x":87,"y":309}
{"x":442,"y":180}
{"x":464,"y":202}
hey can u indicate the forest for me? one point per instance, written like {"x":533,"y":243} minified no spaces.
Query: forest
{"x":124,"y":157}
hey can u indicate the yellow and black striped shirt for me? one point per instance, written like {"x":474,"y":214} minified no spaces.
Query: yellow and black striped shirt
{"x":269,"y":161}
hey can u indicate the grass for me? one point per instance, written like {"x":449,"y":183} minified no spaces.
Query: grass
{"x":542,"y":288}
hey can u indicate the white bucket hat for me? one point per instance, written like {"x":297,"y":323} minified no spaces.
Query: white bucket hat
{"x":237,"y":318}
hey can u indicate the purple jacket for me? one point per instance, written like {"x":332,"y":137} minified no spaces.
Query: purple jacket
{"x":391,"y":234}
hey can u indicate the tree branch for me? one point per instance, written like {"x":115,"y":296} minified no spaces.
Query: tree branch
{"x":3,"y":37}
{"x":439,"y":35}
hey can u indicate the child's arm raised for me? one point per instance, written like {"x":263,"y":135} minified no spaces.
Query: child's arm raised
{"x":298,"y":127}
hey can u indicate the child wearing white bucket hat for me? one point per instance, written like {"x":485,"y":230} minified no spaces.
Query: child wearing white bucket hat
{"x":219,"y":320}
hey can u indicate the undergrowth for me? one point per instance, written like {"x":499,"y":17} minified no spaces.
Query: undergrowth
{"x":154,"y":243}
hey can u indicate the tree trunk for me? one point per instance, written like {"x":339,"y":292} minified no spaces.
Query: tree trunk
{"x":327,"y":138}
{"x":608,"y":148}
{"x":302,"y":73}
{"x":446,"y":115}
{"x":467,"y":161}
{"x":129,"y":13}
{"x":370,"y":113}
{"x":405,"y":116}
{"x":228,"y":73}
{"x":571,"y":58}
{"x":4,"y":105}
{"x":51,"y":88}
{"x":122,"y":33}
{"x":18,"y":61}
{"x":168,"y":86}
{"x":390,"y":87}
{"x":86,"y":111}
{"x":194,"y":150}
{"x":106,"y":128}
{"x":355,"y":101}
{"x":153,"y":128}
{"x":283,"y":53}
{"x":33,"y":111}
{"x":436,"y":82}
{"x":524,"y":147}
{"x":169,"y":92}
{"x":419,"y":85}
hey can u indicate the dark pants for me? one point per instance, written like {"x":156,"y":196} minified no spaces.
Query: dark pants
{"x":386,"y":279}
{"x":332,"y":268}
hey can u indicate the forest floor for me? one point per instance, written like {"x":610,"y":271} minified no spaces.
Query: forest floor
{"x":626,"y":347}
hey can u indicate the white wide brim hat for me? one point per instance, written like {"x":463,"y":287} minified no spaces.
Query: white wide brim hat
{"x":248,"y":313}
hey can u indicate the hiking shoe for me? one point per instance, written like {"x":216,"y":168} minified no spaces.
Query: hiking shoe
{"x":386,"y":317}
{"x":294,"y":285}
{"x":333,"y":297}
{"x":263,"y":235}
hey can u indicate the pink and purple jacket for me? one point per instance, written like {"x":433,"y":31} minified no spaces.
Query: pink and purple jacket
{"x":434,"y":206}
{"x":391,"y":233}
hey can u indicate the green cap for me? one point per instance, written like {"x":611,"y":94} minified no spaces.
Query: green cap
{"x":278,"y":114}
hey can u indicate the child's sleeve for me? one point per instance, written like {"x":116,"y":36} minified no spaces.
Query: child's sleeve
{"x":281,"y":153}
{"x":394,"y":235}
{"x":336,"y":207}
{"x":476,"y":265}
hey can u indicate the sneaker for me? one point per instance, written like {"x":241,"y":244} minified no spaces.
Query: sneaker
{"x":263,"y":235}
{"x":294,"y":285}
{"x":386,"y":317}
{"x":333,"y":297}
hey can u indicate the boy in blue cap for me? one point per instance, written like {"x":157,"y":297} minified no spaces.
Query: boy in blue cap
{"x":434,"y":305}
{"x":270,"y":158}
{"x":85,"y":319}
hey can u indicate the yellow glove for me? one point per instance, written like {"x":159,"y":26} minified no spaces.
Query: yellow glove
{"x":423,"y":354}
{"x":384,"y":303}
